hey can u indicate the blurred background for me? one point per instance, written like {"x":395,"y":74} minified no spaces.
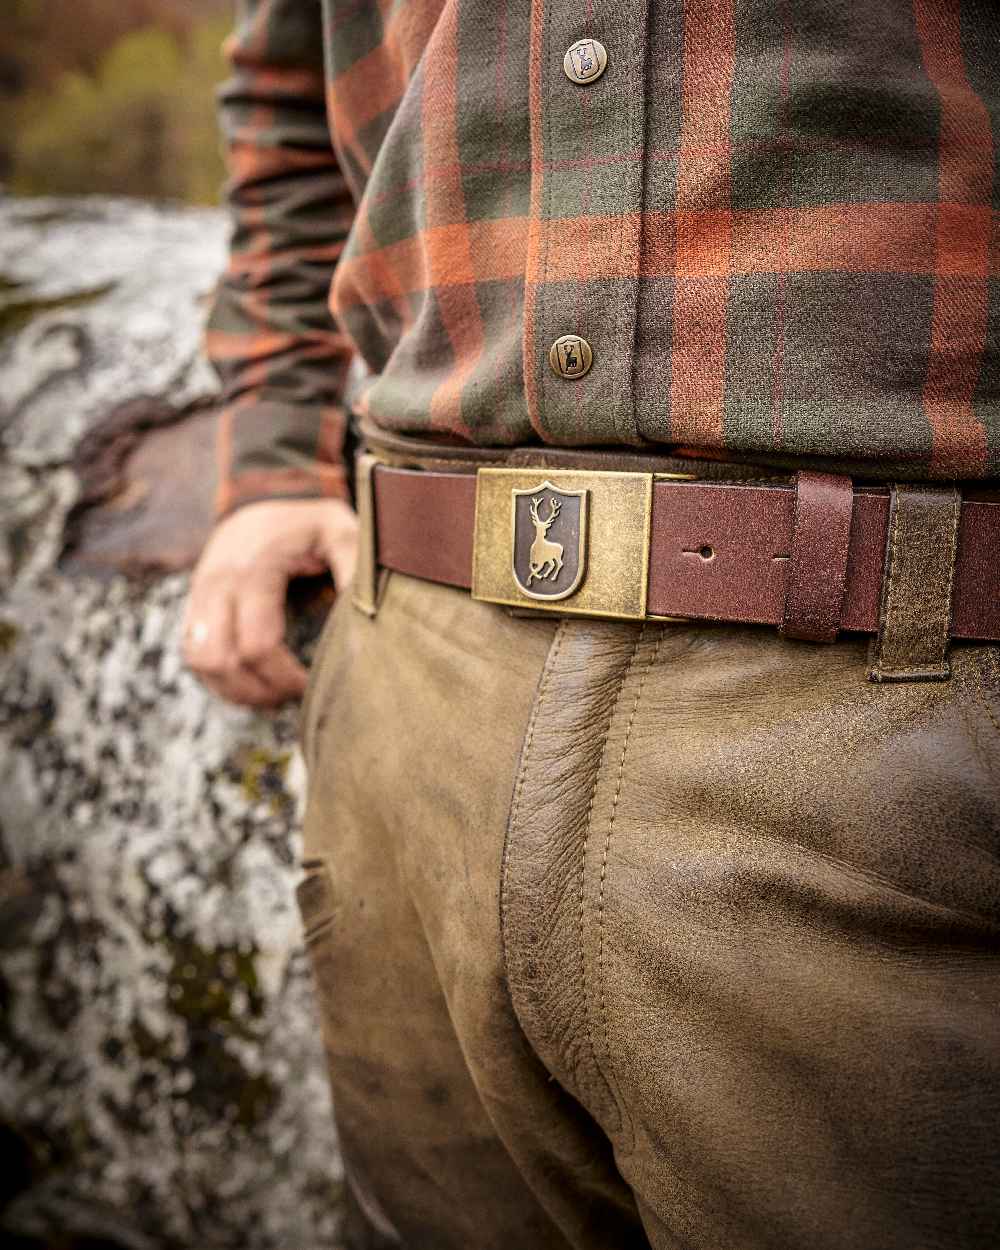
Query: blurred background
{"x":111,"y":98}
{"x":161,"y":1074}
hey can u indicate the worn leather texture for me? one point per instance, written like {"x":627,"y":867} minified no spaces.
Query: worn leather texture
{"x":820,"y":548}
{"x":916,"y":610}
{"x":453,"y":1132}
{"x":653,"y":935}
{"x":719,"y":551}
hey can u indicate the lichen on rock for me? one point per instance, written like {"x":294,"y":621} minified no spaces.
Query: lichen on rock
{"x":161,"y":1071}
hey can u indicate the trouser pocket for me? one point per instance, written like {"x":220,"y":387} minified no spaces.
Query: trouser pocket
{"x":315,"y":899}
{"x":316,"y":685}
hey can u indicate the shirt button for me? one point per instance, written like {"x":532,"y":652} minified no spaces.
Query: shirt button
{"x":585,"y":61}
{"x":570,"y":356}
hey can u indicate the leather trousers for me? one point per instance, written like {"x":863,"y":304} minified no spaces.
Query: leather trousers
{"x":652,"y":935}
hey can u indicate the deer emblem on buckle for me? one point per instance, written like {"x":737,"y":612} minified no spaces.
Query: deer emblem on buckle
{"x":544,"y":566}
{"x":545,"y":559}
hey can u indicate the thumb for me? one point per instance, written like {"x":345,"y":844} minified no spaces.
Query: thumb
{"x":340,"y":543}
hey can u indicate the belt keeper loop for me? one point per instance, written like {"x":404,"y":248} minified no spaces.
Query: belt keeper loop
{"x":817,"y":572}
{"x":917,"y":583}
{"x":365,"y":590}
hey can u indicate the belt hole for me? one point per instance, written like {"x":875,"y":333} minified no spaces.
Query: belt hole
{"x":707,"y":553}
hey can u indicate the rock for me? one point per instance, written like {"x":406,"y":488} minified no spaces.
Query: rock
{"x":117,"y":289}
{"x":147,"y":483}
{"x":161,"y":1076}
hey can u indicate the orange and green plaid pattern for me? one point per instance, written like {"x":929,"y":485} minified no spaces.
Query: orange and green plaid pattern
{"x":775,"y":221}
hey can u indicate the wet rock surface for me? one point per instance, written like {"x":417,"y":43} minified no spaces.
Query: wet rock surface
{"x":161,"y":1075}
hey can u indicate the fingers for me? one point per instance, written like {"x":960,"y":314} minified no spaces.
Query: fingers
{"x":241,"y":686}
{"x":212,"y":651}
{"x":282,"y":673}
{"x":209,"y":640}
{"x":341,"y":543}
{"x":234,"y":628}
{"x":260,"y":630}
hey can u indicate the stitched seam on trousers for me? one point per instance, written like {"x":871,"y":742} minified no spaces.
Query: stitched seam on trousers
{"x":989,"y":711}
{"x":586,"y":844}
{"x":317,"y":930}
{"x":607,"y":849}
{"x":515,"y":804}
{"x":587,"y":995}
{"x":990,"y":661}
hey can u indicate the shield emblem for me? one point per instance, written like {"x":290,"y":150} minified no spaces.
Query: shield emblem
{"x":550,"y":540}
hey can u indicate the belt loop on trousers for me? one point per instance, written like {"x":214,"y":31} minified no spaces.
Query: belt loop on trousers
{"x":918,"y":577}
{"x":364,"y":594}
{"x":817,"y":574}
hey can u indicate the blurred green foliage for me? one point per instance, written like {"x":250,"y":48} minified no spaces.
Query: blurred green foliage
{"x":136,"y":118}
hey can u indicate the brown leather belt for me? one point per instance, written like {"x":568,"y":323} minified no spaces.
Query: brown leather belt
{"x":807,"y":556}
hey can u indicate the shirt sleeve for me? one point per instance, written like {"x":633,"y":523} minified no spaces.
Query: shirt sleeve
{"x":282,"y":361}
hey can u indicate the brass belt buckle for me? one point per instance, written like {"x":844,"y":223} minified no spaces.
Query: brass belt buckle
{"x":569,"y":541}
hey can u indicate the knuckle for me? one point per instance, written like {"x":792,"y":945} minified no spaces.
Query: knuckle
{"x":215,"y":666}
{"x":254,"y":652}
{"x":260,"y":646}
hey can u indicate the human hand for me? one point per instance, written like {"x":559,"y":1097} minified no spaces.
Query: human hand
{"x":234,"y":621}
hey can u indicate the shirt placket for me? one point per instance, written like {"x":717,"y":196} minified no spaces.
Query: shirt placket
{"x":588,"y":67}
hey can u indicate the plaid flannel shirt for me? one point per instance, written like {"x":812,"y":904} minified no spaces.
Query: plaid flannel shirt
{"x":774,"y":221}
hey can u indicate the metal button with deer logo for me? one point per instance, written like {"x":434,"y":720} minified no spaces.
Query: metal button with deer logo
{"x":585,"y":61}
{"x":549,"y":547}
{"x":570,"y":356}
